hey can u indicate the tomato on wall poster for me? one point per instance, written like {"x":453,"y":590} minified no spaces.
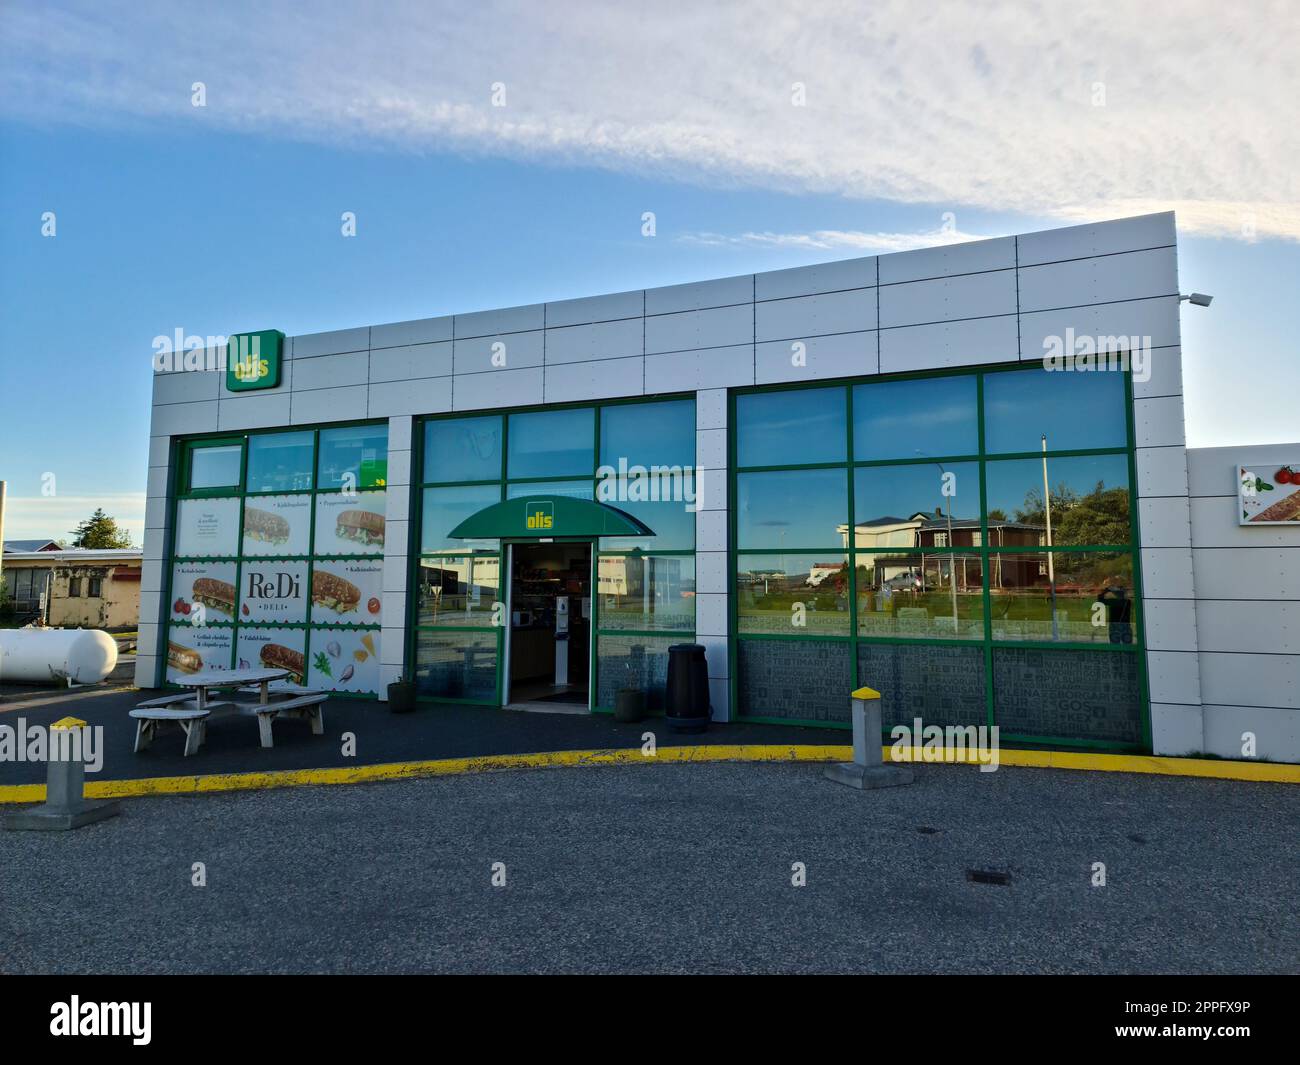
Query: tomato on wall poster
{"x":203,"y":592}
{"x":347,"y":591}
{"x":1269,"y":494}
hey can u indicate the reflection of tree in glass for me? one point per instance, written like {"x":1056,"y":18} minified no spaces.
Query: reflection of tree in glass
{"x":1100,"y":517}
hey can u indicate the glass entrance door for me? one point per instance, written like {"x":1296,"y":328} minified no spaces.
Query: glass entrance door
{"x":549,"y":644}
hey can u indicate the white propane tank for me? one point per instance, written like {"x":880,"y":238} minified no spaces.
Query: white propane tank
{"x":56,"y":656}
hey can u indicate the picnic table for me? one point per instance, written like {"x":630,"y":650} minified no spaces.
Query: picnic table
{"x":193,"y":709}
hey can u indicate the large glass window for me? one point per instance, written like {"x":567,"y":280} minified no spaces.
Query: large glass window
{"x":804,"y":426}
{"x":281,"y":462}
{"x":274,"y":566}
{"x":968,"y":539}
{"x":552,"y":443}
{"x":637,"y":457}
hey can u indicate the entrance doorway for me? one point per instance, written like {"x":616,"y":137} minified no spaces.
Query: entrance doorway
{"x":550,"y":627}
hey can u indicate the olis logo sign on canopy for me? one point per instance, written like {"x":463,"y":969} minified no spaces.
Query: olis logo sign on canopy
{"x":253,"y":360}
{"x":540,"y":515}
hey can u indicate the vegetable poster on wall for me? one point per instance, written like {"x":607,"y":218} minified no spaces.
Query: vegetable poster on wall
{"x":1269,"y":494}
{"x":277,"y":525}
{"x":350,"y":523}
{"x":344,"y":660}
{"x":207,"y":528}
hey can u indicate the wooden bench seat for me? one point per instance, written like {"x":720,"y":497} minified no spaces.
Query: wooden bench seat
{"x":192,"y":721}
{"x":309,"y":705}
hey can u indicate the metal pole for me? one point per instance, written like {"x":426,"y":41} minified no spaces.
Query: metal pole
{"x":1051,"y":564}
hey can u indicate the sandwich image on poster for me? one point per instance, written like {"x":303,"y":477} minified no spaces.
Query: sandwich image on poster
{"x":277,"y":525}
{"x":273,"y":591}
{"x":350,"y":523}
{"x":274,"y":649}
{"x":1269,"y":495}
{"x":203,"y":592}
{"x":193,"y":650}
{"x":344,"y":660}
{"x":207,"y":528}
{"x":346,"y":591}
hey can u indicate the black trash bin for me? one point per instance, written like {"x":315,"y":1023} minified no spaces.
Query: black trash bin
{"x":687,"y":697}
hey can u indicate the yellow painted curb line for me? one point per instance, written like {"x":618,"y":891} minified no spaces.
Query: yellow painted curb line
{"x":720,"y":752}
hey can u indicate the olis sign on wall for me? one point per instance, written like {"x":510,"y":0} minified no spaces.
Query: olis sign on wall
{"x":253,"y":360}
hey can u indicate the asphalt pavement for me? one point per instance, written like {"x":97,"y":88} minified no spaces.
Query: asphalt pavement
{"x":671,"y":868}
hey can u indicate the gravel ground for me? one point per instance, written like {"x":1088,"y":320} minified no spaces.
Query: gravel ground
{"x":671,"y":868}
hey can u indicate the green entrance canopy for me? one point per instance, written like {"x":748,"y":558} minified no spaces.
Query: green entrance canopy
{"x":548,"y":515}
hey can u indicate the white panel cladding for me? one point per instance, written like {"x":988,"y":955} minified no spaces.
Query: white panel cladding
{"x":948,"y":299}
{"x":160,"y":450}
{"x":817,"y":358}
{"x":1157,"y":422}
{"x":1214,"y":524}
{"x":698,"y":295}
{"x":404,"y":334}
{"x":1167,"y":573}
{"x":506,"y":320}
{"x":1171,"y":624}
{"x":393,"y":613}
{"x":710,"y":490}
{"x":512,"y":351}
{"x":966,"y":258}
{"x":806,"y":316}
{"x":1163,"y":522}
{"x":1257,"y":625}
{"x":1176,"y":730}
{"x":1153,"y":320}
{"x":180,"y":419}
{"x":187,"y":386}
{"x":430,"y":395}
{"x":715,"y":655}
{"x":332,"y":371}
{"x":600,"y":340}
{"x":145,"y":668}
{"x":729,"y":367}
{"x":711,"y":615}
{"x":1099,"y":238}
{"x":809,"y":280}
{"x":1174,"y":677}
{"x":151,"y":568}
{"x":711,"y":530}
{"x":1105,"y":279}
{"x":399,"y":434}
{"x":1247,"y":572}
{"x":312,"y":345}
{"x":605,"y":379}
{"x":691,"y":330}
{"x":711,"y":571}
{"x":1161,"y":471}
{"x":711,"y":409}
{"x":328,"y":405}
{"x":399,"y":470}
{"x":1276,"y":732}
{"x":929,"y":347}
{"x":595,"y":309}
{"x":411,"y":362}
{"x":1212,"y":471}
{"x":1231,"y":677}
{"x":498,"y":388}
{"x":156,"y":482}
{"x":256,"y":410}
{"x":711,"y":449}
{"x":1161,"y":376}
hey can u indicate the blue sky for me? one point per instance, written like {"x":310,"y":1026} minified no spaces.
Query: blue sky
{"x":226,"y":218}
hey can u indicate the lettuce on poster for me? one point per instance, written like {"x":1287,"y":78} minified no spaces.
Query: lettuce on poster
{"x":347,"y":591}
{"x":350,"y":523}
{"x":277,"y":525}
{"x":344,"y":660}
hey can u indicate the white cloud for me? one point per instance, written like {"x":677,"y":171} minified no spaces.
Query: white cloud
{"x":822,"y":239}
{"x":53,"y":517}
{"x":986,"y":105}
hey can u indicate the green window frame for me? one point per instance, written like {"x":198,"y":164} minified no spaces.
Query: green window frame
{"x":428,"y":475}
{"x":980,"y":549}
{"x":184,"y":451}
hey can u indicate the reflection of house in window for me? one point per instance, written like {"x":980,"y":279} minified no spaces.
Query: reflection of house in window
{"x":450,"y":585}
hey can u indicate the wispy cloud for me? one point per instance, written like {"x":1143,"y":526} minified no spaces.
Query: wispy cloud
{"x":53,"y":517}
{"x":831,"y":239}
{"x":1072,"y":111}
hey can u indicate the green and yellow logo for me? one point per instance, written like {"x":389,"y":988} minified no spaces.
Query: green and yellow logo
{"x":253,"y":360}
{"x":539,"y":515}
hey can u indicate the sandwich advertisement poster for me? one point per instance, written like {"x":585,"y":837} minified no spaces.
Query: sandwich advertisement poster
{"x":1268,"y":495}
{"x":344,"y":660}
{"x":273,"y":591}
{"x":347,"y":592}
{"x":350,"y":523}
{"x":210,"y":585}
{"x":274,"y":649}
{"x":207,"y":528}
{"x":195,"y":650}
{"x":277,"y":525}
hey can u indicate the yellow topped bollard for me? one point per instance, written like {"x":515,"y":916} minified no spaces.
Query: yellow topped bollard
{"x":65,"y":803}
{"x":868,"y":769}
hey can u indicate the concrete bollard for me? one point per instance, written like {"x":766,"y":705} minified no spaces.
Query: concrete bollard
{"x":65,"y":803}
{"x":868,"y":769}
